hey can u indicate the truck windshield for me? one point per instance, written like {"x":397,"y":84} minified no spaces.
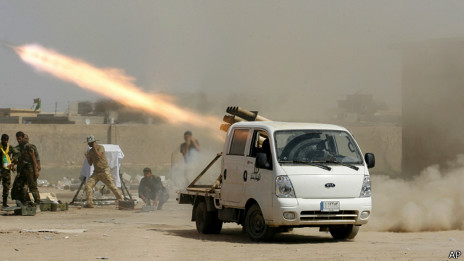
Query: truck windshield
{"x":296,"y":146}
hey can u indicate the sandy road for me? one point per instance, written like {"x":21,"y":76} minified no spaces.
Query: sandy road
{"x":169,"y":235}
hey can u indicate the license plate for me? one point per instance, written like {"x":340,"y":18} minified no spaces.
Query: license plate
{"x":330,"y":206}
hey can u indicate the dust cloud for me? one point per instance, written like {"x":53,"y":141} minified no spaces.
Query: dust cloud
{"x":431,"y":201}
{"x":182,"y":173}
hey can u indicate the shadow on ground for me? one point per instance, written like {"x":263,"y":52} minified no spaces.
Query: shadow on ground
{"x":236,"y":235}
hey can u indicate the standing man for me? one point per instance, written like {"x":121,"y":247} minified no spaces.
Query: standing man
{"x":28,"y":172}
{"x":96,"y":156}
{"x":189,"y":149}
{"x":37,"y":158}
{"x":151,"y":190}
{"x":190,"y":146}
{"x":9,"y":155}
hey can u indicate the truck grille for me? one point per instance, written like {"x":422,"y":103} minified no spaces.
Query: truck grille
{"x":321,"y":216}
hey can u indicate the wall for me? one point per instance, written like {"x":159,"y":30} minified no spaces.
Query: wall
{"x":62,"y":146}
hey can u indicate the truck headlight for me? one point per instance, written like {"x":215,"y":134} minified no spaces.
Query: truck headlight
{"x":284,"y":187}
{"x":366,"y":187}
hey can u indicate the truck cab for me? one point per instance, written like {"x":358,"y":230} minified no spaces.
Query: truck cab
{"x":276,"y":176}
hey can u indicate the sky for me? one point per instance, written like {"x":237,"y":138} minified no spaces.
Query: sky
{"x":281,"y":57}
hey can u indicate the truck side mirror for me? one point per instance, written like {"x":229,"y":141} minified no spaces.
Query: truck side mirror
{"x":262,"y":161}
{"x":370,"y":160}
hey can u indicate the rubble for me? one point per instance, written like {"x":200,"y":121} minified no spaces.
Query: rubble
{"x":43,"y":183}
{"x":64,"y":184}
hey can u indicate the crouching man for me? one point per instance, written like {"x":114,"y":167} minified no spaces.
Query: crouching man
{"x":151,"y":190}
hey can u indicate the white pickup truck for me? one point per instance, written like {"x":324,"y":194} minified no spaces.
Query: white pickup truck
{"x":276,"y":176}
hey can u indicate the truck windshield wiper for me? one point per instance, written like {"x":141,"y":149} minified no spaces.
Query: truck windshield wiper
{"x":339,"y":163}
{"x":317,"y":164}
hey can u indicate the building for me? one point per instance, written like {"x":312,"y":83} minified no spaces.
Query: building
{"x":16,"y":116}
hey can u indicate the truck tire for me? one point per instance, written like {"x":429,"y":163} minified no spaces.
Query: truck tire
{"x":255,"y":225}
{"x":344,"y":232}
{"x":207,"y":222}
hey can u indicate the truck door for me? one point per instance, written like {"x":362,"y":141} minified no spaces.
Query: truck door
{"x":259,"y":184}
{"x":233,"y":175}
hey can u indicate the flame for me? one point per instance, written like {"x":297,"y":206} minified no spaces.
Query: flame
{"x":113,"y":83}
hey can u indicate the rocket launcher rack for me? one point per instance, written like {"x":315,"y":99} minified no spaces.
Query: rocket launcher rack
{"x":239,"y":114}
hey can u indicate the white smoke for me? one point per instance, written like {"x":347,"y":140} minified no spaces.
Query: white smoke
{"x":432,"y":201}
{"x":183,"y":173}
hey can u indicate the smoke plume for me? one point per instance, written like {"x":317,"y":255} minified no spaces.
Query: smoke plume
{"x":431,"y":201}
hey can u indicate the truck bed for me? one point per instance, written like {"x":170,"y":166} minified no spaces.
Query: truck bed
{"x":188,"y":195}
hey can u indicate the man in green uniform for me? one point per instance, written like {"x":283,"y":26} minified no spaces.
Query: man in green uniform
{"x":28,"y":172}
{"x":37,"y":158}
{"x":9,"y":156}
{"x":96,"y":156}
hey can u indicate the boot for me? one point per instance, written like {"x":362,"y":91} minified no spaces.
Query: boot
{"x":5,"y":199}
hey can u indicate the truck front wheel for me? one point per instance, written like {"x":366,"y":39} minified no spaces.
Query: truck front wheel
{"x":207,"y":222}
{"x":344,"y":232}
{"x":255,"y":225}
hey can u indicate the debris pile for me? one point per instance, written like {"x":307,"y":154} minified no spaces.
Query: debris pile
{"x":43,"y":183}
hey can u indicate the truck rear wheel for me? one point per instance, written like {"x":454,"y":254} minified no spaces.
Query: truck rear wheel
{"x":207,"y":221}
{"x":255,"y":225}
{"x":344,"y":232}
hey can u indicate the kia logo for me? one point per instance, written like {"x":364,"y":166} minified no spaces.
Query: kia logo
{"x":329,"y":185}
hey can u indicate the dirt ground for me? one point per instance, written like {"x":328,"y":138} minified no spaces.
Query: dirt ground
{"x":107,"y":233}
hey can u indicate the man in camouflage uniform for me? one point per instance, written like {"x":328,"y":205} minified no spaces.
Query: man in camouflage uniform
{"x":28,"y":172}
{"x":37,"y":158}
{"x":9,"y":156}
{"x":96,"y":156}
